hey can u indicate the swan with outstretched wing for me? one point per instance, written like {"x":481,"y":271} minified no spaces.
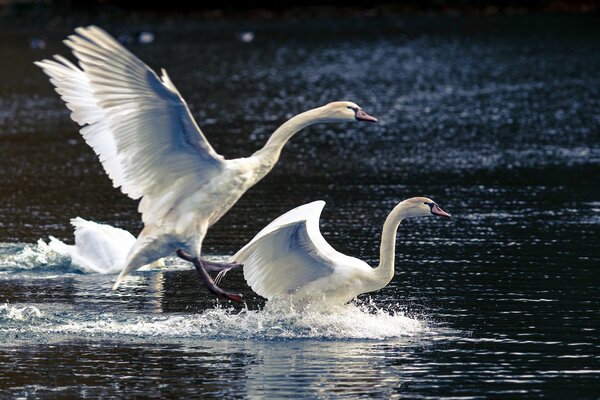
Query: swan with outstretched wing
{"x":290,"y":257}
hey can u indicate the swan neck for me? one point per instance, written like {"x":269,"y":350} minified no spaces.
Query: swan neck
{"x":271,"y":151}
{"x":384,"y":273}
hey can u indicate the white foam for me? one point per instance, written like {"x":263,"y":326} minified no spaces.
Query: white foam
{"x":31,"y":256}
{"x":15,"y":313}
{"x":275,"y":321}
{"x":22,"y":258}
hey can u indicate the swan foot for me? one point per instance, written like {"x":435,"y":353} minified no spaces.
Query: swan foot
{"x":202,"y":269}
{"x":199,"y":264}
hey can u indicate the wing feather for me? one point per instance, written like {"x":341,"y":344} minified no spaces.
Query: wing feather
{"x":288,"y":253}
{"x":137,"y":123}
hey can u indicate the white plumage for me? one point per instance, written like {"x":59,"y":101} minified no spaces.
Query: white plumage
{"x":290,"y":257}
{"x":150,"y":146}
{"x":98,"y":248}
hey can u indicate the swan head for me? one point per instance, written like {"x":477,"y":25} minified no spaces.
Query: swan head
{"x":346,"y":111}
{"x":422,"y":207}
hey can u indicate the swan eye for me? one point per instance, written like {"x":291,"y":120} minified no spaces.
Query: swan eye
{"x":429,"y":204}
{"x":355,"y":109}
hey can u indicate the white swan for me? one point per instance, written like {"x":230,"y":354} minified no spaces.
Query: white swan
{"x":149,"y":145}
{"x":98,"y":248}
{"x":291,"y":257}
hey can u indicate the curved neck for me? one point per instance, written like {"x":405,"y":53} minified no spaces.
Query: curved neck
{"x":384,"y":273}
{"x":270,"y":152}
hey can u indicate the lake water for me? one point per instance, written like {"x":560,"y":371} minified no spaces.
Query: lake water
{"x":496,"y":118}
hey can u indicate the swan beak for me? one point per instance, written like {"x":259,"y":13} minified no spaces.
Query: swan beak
{"x":360,"y":115}
{"x":436,"y":210}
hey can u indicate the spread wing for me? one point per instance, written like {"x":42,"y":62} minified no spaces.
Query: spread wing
{"x":289,"y":253}
{"x":137,"y":123}
{"x":98,"y":248}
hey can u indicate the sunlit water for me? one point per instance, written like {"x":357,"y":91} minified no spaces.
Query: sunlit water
{"x":495,"y":118}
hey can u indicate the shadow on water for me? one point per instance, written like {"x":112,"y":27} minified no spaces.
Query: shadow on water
{"x":496,"y":118}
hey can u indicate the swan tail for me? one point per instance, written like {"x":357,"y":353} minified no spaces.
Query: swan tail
{"x":129,"y":268}
{"x":146,"y":251}
{"x":118,"y":282}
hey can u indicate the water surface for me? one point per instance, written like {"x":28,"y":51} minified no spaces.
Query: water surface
{"x":495,"y":118}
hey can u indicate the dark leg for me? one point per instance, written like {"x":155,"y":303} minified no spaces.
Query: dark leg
{"x":214,"y":266}
{"x":186,"y":256}
{"x":211,"y":285}
{"x":211,"y":266}
{"x":202,"y":270}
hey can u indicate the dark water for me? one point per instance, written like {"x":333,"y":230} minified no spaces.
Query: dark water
{"x":496,"y":118}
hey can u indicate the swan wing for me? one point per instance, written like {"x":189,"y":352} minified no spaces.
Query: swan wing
{"x":136,"y":122}
{"x":58,"y":246}
{"x":101,"y":246}
{"x":77,"y":260}
{"x":288,"y":253}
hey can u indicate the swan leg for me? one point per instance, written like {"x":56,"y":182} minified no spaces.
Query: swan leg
{"x":211,"y":285}
{"x":212,"y":266}
{"x":202,"y":270}
{"x":186,"y":256}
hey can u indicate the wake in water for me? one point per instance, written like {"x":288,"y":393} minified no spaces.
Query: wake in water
{"x":98,"y":249}
{"x":39,"y":257}
{"x":57,"y":258}
{"x":276,"y":321}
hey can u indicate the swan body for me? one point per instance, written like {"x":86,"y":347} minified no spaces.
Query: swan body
{"x":98,"y":248}
{"x":142,"y":131}
{"x":290,"y":257}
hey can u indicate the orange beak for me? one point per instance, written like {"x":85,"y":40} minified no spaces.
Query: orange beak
{"x":436,"y":210}
{"x":360,"y":115}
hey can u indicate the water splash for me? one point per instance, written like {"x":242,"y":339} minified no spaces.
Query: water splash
{"x":9,"y":313}
{"x":24,"y":258}
{"x":276,"y":321}
{"x":15,"y":258}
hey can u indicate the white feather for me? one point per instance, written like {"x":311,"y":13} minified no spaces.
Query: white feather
{"x":145,"y":145}
{"x":98,"y":248}
{"x":289,"y":253}
{"x":291,"y":257}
